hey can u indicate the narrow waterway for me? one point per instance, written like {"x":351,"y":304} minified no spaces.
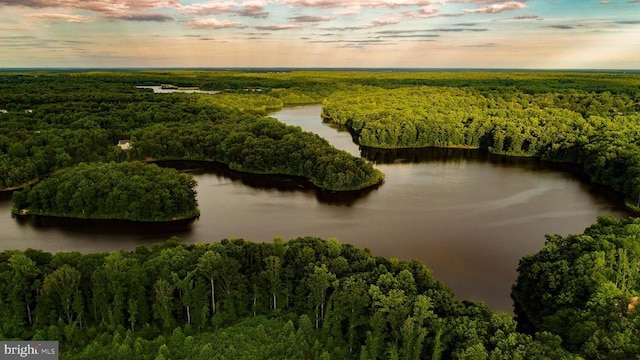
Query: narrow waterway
{"x":468,"y":216}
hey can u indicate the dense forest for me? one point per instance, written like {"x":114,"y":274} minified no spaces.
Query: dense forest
{"x":130,"y":191}
{"x":56,"y":120}
{"x":319,"y":299}
{"x":585,"y":289}
{"x":598,"y":131}
{"x":305,"y":298}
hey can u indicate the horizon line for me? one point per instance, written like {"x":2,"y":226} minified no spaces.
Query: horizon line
{"x":312,"y":68}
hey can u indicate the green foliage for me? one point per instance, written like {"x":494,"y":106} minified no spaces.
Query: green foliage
{"x":132,"y":191}
{"x":80,"y":117}
{"x":597,"y":131}
{"x":584,"y":288}
{"x":306,"y":298}
{"x":272,"y":301}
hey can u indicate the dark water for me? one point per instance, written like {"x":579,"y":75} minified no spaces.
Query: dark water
{"x":467,"y":215}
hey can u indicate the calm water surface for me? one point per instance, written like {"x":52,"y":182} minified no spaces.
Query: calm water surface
{"x":467,"y":215}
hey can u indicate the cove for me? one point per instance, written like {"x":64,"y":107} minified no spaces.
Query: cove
{"x":468,"y":216}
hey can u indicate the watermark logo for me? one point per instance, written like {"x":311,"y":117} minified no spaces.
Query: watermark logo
{"x":38,"y":350}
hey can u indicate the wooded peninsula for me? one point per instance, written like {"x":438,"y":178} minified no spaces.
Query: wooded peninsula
{"x":128,"y":190}
{"x":81,"y":144}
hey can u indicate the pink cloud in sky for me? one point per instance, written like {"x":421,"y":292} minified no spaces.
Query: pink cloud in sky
{"x":214,"y":24}
{"x":125,"y":9}
{"x":385,"y":21}
{"x":483,"y":2}
{"x":279,"y":27}
{"x":325,"y":4}
{"x":111,"y":8}
{"x":253,"y":9}
{"x":497,"y":8}
{"x":61,"y":17}
{"x":423,"y":13}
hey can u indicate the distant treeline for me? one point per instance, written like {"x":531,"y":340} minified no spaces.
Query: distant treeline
{"x":599,"y":131}
{"x":57,"y":120}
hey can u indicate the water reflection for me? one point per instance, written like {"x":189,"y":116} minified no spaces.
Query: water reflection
{"x":456,"y":156}
{"x":280,"y":183}
{"x":105,"y":226}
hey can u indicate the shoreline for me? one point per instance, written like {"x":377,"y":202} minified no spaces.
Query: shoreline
{"x":28,"y":215}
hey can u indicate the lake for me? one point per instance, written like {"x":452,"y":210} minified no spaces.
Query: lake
{"x":467,"y":215}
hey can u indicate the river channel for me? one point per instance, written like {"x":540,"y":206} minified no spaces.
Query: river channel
{"x":467,"y":215}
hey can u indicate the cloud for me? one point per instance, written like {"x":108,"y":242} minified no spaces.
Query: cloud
{"x":561,"y":27}
{"x":526,"y":17}
{"x":423,"y":13}
{"x":102,"y":6}
{"x":423,"y":33}
{"x":131,"y":10}
{"x":143,"y":17}
{"x":359,"y":44}
{"x":214,"y":24}
{"x":279,"y":27}
{"x":61,"y":17}
{"x":254,"y":9}
{"x":398,"y":31}
{"x":606,"y":2}
{"x":303,"y":19}
{"x":372,"y":41}
{"x":382,"y":22}
{"x":122,"y":9}
{"x":373,"y":24}
{"x":629,"y":22}
{"x":458,"y":29}
{"x":521,"y":17}
{"x":497,"y":8}
{"x":483,"y":2}
{"x":485,"y":45}
{"x":115,"y":9}
{"x":354,"y":7}
{"x":206,"y":38}
{"x":326,"y":4}
{"x":408,"y":36}
{"x":33,"y":42}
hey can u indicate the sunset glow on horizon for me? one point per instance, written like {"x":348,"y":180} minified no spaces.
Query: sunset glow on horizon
{"x":535,"y":34}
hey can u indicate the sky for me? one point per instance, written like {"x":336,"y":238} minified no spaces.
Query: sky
{"x":524,"y":34}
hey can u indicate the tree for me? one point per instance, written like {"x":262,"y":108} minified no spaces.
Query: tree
{"x":63,"y":285}
{"x":272,"y":273}
{"x":318,"y":283}
{"x":208,"y":266}
{"x":22,"y":288}
{"x":162,"y":305}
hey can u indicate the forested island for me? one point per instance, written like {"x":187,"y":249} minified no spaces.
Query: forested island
{"x":307,"y":297}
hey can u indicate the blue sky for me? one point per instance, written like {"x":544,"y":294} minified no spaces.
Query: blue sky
{"x":549,"y":34}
